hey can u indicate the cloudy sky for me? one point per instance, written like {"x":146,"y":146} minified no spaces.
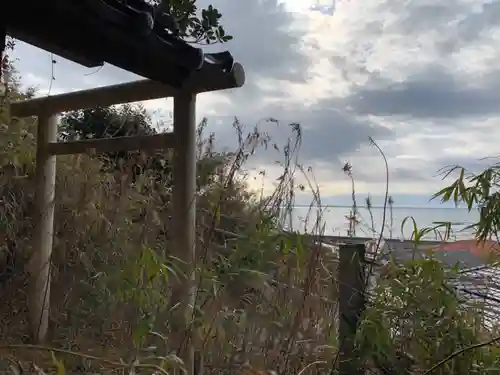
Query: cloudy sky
{"x":420,"y":77}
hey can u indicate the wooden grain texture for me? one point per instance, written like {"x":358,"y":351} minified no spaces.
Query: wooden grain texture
{"x":40,"y":264}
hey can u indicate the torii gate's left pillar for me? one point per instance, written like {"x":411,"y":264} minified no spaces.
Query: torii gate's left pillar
{"x":40,"y":263}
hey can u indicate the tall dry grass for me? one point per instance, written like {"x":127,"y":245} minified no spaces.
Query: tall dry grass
{"x":264,"y":296}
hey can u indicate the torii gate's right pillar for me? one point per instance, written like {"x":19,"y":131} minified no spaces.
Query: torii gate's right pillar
{"x":184,"y":224}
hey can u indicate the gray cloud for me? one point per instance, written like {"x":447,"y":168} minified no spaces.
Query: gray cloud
{"x":417,"y":16}
{"x":409,"y":175}
{"x":469,"y":27}
{"x":433,"y":171}
{"x":422,"y":172}
{"x":436,"y":89}
{"x":267,"y":39}
{"x":327,"y":133}
{"x":399,"y":174}
{"x":431,"y":93}
{"x":454,"y":23}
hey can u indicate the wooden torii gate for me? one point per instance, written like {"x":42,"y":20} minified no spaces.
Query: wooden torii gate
{"x":182,"y":140}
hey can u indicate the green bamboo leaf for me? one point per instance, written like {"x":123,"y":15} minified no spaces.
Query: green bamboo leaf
{"x":60,"y":370}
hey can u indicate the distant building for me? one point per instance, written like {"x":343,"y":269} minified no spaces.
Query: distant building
{"x":478,"y":278}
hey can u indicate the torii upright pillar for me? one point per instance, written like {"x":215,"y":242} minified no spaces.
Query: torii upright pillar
{"x":182,"y":140}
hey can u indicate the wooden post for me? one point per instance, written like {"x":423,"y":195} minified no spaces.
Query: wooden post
{"x":351,"y":305}
{"x":40,"y":264}
{"x":184,"y":225}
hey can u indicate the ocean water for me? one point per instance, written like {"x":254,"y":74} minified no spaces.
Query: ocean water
{"x":336,"y":223}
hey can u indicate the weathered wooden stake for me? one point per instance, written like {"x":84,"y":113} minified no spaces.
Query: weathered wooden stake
{"x":39,"y":297}
{"x":184,"y":205}
{"x":351,"y":305}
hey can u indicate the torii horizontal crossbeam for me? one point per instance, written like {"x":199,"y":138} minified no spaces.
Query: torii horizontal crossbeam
{"x":203,"y":80}
{"x":140,"y":142}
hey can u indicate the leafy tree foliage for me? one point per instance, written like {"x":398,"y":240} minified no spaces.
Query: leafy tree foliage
{"x":116,"y":121}
{"x":476,"y":191}
{"x":105,"y":122}
{"x":190,"y":24}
